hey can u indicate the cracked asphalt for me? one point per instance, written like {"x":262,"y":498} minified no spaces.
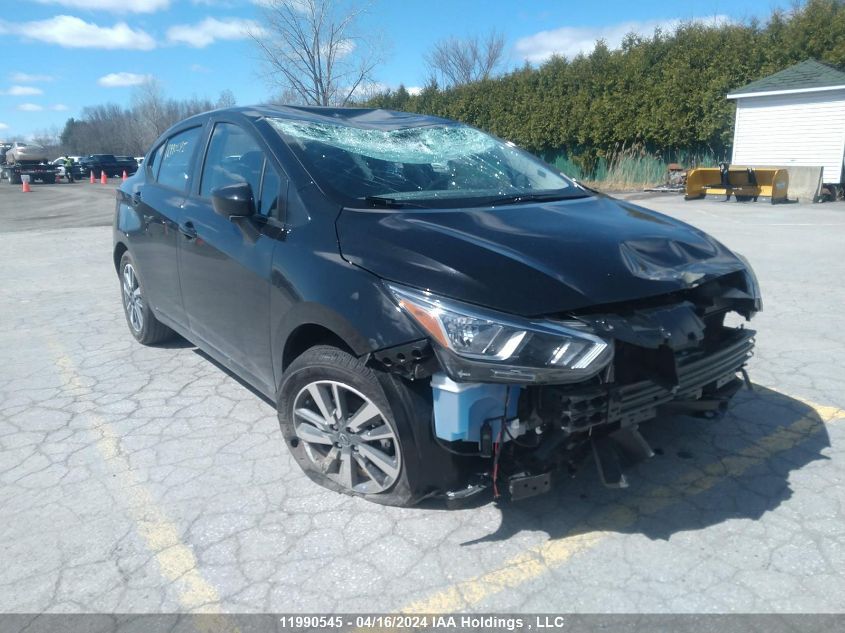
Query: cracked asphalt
{"x":146,"y":480}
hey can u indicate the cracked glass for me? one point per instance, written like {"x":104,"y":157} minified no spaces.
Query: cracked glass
{"x":418,"y":166}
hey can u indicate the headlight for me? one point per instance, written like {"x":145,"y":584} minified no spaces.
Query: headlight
{"x":482,"y":345}
{"x":752,"y":285}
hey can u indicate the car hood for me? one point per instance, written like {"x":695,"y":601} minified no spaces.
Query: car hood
{"x":534,"y":259}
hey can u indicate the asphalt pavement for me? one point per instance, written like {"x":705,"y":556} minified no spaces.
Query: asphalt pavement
{"x":145,"y":480}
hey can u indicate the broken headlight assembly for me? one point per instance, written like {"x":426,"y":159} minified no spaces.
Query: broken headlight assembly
{"x":478,"y":345}
{"x":752,"y":285}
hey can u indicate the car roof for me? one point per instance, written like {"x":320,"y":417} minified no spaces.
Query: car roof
{"x":364,"y":118}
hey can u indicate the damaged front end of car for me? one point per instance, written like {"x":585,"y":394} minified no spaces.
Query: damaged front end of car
{"x":520,"y":399}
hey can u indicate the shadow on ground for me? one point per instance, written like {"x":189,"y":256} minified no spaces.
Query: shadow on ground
{"x":704,"y":473}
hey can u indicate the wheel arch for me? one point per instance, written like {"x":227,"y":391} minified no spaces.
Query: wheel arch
{"x":309,"y":335}
{"x":119,"y":249}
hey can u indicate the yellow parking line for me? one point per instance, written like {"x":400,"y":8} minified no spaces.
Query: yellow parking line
{"x":175,"y":559}
{"x":537,"y":560}
{"x":179,"y":565}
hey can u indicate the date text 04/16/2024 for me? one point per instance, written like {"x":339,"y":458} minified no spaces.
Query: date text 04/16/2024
{"x":398,"y":621}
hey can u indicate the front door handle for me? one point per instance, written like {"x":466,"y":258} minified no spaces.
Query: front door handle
{"x":188,"y":230}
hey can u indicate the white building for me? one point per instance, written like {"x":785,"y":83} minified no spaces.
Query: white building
{"x":794,"y":118}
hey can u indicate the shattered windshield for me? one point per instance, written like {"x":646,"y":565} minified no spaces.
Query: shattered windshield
{"x":433,"y":165}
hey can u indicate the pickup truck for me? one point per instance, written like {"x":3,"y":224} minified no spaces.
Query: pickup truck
{"x":128,"y":163}
{"x":108,"y":163}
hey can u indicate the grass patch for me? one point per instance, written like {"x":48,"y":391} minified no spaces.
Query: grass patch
{"x":627,"y":168}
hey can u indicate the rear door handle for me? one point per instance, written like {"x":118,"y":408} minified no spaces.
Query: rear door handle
{"x":188,"y":230}
{"x":136,"y":198}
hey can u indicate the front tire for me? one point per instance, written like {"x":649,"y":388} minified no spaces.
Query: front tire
{"x":142,"y":323}
{"x":340,"y":428}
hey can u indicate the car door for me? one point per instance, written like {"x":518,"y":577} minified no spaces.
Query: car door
{"x":158,"y":201}
{"x":225,"y":267}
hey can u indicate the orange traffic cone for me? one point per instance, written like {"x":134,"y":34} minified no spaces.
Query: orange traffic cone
{"x":103,"y":178}
{"x":124,"y":176}
{"x":92,"y":176}
{"x":25,"y":187}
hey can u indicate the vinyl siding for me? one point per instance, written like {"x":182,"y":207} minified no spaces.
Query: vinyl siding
{"x":806,"y":130}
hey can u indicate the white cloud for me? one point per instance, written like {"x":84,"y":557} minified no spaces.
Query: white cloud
{"x":344,"y":48}
{"x":569,"y":41}
{"x":121,"y":80}
{"x":116,"y":6}
{"x":59,"y":107}
{"x":26,"y":78}
{"x":71,"y":32}
{"x":199,"y":68}
{"x":23,"y":91}
{"x":3,"y":126}
{"x":30,"y":107}
{"x":208,"y":31}
{"x":414,"y":90}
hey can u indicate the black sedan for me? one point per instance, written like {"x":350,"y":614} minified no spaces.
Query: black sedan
{"x":433,"y":310}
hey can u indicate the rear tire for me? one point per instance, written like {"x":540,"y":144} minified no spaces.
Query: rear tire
{"x":339,"y":426}
{"x":142,"y":323}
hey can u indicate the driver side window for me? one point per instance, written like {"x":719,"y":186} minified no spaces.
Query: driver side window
{"x":233,"y":157}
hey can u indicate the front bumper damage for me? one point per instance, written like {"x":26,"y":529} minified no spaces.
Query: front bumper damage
{"x":672,"y":355}
{"x":609,"y":415}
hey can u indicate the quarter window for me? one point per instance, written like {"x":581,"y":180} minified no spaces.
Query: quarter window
{"x":273,"y":191}
{"x":176,"y":161}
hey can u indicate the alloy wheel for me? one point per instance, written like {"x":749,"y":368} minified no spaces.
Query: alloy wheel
{"x":347,"y":436}
{"x":132,"y":299}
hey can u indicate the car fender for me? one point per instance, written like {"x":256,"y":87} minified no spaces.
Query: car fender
{"x":365,"y":320}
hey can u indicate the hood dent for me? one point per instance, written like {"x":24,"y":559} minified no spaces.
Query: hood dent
{"x":662,"y":259}
{"x":534,"y":259}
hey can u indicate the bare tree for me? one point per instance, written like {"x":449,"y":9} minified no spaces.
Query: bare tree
{"x":47,"y":138}
{"x":149,"y":106}
{"x":287,"y":96}
{"x":114,"y":129}
{"x":312,"y":49}
{"x":453,"y":61}
{"x":226,"y":99}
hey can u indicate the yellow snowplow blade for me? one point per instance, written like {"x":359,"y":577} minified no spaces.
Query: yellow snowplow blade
{"x":745,"y":183}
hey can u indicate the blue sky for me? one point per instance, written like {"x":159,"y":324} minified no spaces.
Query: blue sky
{"x":61,"y":55}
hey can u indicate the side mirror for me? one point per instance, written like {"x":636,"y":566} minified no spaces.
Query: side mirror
{"x":233,"y":201}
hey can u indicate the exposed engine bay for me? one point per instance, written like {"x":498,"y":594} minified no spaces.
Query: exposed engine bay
{"x":667,"y":354}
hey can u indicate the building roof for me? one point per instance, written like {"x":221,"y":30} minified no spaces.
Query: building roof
{"x":808,"y":76}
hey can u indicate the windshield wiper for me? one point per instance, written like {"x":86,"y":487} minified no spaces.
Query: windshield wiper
{"x":534,"y":197}
{"x":383,"y":201}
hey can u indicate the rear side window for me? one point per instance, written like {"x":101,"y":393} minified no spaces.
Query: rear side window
{"x":155,"y":161}
{"x":233,"y":156}
{"x":176,"y":160}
